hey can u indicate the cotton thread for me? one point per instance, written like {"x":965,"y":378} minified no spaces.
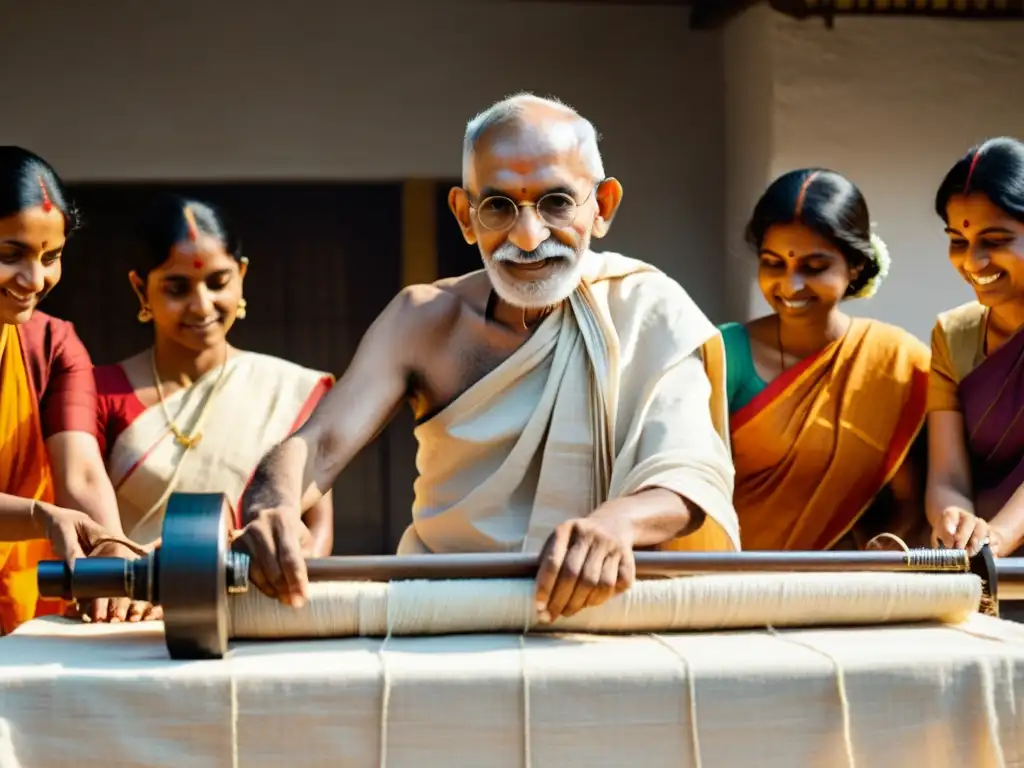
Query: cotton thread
{"x":710,"y":602}
{"x":529,"y":618}
{"x":691,"y":691}
{"x":234,"y":713}
{"x":844,"y":700}
{"x":991,"y":716}
{"x":526,"y":741}
{"x":386,"y":686}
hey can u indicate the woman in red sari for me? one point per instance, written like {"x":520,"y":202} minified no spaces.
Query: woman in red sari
{"x":976,"y":389}
{"x":49,"y":460}
{"x":192,"y":413}
{"x":824,"y":408}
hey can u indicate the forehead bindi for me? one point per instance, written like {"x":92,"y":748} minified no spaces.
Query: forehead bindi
{"x":795,"y":241}
{"x":35,"y":228}
{"x":197,"y":259}
{"x":524,"y":164}
{"x":975,"y":214}
{"x":519,"y":173}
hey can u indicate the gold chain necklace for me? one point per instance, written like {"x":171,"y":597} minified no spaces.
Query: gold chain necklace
{"x":188,"y":442}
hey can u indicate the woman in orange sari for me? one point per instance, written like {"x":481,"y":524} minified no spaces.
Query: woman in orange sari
{"x":976,"y":392}
{"x":50,"y":463}
{"x":192,"y":413}
{"x":824,"y":408}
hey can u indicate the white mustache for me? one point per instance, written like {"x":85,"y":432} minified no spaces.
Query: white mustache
{"x":549,"y":249}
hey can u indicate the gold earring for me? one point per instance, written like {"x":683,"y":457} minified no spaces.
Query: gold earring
{"x":145,"y":315}
{"x":240,"y":312}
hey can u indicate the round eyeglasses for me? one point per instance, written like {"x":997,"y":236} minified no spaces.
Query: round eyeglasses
{"x":499,"y":213}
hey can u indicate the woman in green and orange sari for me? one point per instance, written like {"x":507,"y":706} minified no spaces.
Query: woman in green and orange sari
{"x":50,"y":463}
{"x":825,"y":409}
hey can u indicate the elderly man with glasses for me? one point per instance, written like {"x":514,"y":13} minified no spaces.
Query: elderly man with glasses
{"x":568,"y":402}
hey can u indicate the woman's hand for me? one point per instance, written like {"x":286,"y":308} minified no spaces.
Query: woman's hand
{"x":72,"y":534}
{"x":959,"y":529}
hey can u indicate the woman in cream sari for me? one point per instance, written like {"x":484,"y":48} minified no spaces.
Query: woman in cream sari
{"x":192,"y":413}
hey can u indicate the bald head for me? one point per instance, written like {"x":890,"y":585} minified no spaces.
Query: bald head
{"x":547,"y":124}
{"x":533,"y":195}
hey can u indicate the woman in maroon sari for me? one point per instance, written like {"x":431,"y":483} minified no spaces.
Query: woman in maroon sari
{"x":976,"y":387}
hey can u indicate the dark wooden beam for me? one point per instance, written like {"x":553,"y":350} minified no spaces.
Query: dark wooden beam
{"x":831,"y":9}
{"x":714,"y":14}
{"x":672,"y":3}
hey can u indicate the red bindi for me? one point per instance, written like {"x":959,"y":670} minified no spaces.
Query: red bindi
{"x":792,"y":254}
{"x":967,"y":224}
{"x":198,"y":263}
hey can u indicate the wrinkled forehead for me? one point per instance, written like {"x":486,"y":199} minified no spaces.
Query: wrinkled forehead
{"x":521,"y":160}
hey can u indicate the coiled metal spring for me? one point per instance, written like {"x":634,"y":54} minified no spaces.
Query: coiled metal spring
{"x":938,"y":560}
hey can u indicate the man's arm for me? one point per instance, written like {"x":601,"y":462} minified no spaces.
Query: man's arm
{"x":681,"y":474}
{"x":296,"y":474}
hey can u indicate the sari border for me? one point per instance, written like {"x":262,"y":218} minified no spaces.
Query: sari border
{"x":908,"y":428}
{"x":46,"y":489}
{"x":775,"y":389}
{"x":141,"y":460}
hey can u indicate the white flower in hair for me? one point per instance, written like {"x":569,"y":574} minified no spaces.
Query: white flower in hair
{"x":881,"y":254}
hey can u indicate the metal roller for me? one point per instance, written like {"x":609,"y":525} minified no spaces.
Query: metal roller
{"x":193,"y":573}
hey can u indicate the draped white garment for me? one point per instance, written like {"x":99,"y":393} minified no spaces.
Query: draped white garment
{"x":608,"y":397}
{"x":254,"y":407}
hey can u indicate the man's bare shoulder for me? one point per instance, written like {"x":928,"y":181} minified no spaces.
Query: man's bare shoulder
{"x":439,"y":305}
{"x":472,"y":288}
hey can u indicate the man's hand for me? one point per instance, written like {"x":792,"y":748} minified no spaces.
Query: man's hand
{"x":959,"y":529}
{"x":278,"y":542}
{"x":584,"y":563}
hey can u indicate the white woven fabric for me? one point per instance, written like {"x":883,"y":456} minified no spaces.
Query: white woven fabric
{"x":925,"y":695}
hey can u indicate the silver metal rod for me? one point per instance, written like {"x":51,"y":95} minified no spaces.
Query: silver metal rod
{"x":1010,"y":573}
{"x":516,"y":565}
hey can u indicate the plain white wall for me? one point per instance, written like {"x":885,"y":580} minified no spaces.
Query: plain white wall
{"x":892,"y":104}
{"x":328,"y":89}
{"x":750,"y":141}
